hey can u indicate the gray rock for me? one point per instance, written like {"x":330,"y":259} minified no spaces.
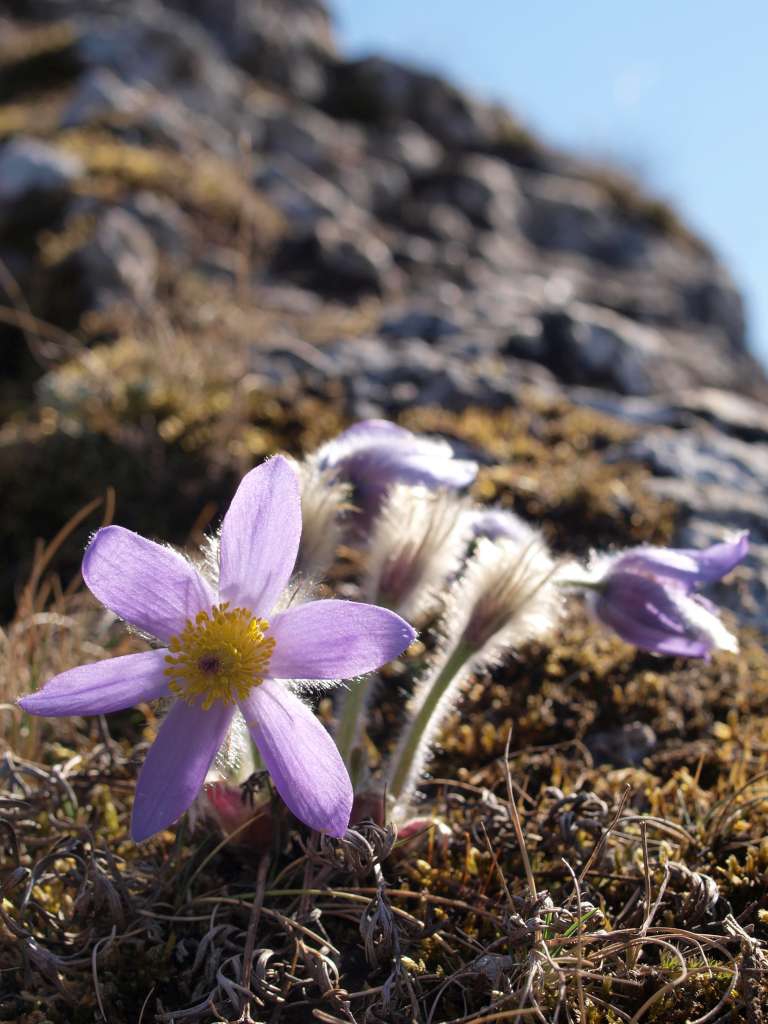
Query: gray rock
{"x":564,"y":213}
{"x":286,"y":42}
{"x":35,"y":180}
{"x":732,"y":413}
{"x":152,"y":45}
{"x":99,"y":94}
{"x":143,"y":115}
{"x":645,"y":412}
{"x":172,"y":230}
{"x":703,"y":457}
{"x":303,"y":196}
{"x":587,"y":345}
{"x":311,"y":137}
{"x":119,"y":262}
{"x":359,"y":262}
{"x":438,"y":220}
{"x":337,"y":259}
{"x":482,"y":187}
{"x":409,"y":146}
{"x":716,"y":301}
{"x":377,"y":185}
{"x":384,"y":93}
{"x":418,"y":324}
{"x":624,"y":746}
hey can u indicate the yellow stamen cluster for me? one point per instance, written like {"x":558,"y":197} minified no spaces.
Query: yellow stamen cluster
{"x":219,"y":656}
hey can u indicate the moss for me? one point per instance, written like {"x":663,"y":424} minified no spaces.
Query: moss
{"x":37,"y":115}
{"x":549,"y":468}
{"x":207,"y":184}
{"x":696,"y":996}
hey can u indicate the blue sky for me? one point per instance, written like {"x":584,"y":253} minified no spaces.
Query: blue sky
{"x":674,"y":91}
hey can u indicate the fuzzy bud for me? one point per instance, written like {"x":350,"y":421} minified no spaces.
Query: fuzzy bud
{"x":497,"y":524}
{"x":417,"y":543}
{"x":506,"y":597}
{"x":324,"y":500}
{"x":375,"y":454}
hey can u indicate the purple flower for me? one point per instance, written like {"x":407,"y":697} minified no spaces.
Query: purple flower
{"x":374,"y":454}
{"x":496,"y":523}
{"x":647,"y":596}
{"x":224,"y":649}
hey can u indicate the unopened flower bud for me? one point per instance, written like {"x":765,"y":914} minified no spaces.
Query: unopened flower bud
{"x":646,"y":595}
{"x":417,"y":543}
{"x":324,"y":501}
{"x":375,"y":454}
{"x":506,"y":597}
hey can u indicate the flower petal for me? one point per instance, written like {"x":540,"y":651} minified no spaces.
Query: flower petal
{"x":176,"y":765}
{"x":101,"y":687}
{"x":335,"y":640}
{"x":494,"y":523}
{"x":260,"y":537}
{"x":365,"y":434}
{"x":302,"y":759}
{"x":687,"y":565}
{"x":374,"y":454}
{"x":150,"y":586}
{"x":434,"y":469}
{"x":645,"y":615}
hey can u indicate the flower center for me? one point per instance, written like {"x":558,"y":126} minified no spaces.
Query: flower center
{"x":219,"y":656}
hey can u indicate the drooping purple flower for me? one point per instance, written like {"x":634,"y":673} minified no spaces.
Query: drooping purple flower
{"x":497,"y":523}
{"x":374,"y":454}
{"x":647,"y":596}
{"x":225,"y":649}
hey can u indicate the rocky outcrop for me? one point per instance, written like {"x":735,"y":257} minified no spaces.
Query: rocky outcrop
{"x":147,"y":143}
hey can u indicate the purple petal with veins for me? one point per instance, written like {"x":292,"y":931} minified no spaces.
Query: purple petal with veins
{"x":101,"y":687}
{"x":175,"y":767}
{"x":644,"y":614}
{"x":302,"y":759}
{"x":260,"y":537}
{"x":152,"y":587}
{"x":335,"y":640}
{"x":686,"y":565}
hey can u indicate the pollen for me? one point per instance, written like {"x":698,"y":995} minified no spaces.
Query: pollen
{"x":219,"y":655}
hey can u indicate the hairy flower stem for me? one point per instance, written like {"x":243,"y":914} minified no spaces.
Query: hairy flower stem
{"x":423,"y":725}
{"x":352,"y":716}
{"x":579,"y":584}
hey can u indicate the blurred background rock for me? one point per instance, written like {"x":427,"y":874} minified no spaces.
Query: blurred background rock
{"x":219,"y":237}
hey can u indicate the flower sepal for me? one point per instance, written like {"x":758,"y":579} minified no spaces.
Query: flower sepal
{"x":250,"y":823}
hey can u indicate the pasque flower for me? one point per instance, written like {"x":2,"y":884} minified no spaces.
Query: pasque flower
{"x":647,"y":596}
{"x":374,"y":454}
{"x":497,"y":524}
{"x":226,"y":648}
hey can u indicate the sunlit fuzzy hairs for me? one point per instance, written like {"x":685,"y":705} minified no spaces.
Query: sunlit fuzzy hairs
{"x":416,"y":546}
{"x":324,"y":501}
{"x":506,"y":596}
